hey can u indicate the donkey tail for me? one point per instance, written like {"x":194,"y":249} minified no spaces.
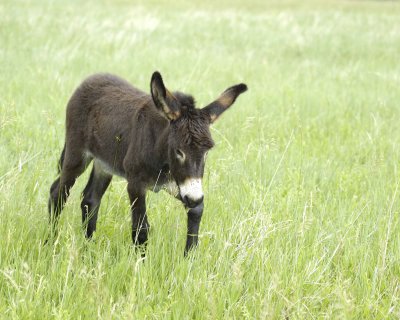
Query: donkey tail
{"x":61,"y":160}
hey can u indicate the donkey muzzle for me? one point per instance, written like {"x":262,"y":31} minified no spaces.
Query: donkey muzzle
{"x":191,"y":192}
{"x":192,"y":203}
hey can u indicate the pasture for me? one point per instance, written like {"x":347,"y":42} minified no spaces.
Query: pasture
{"x":301,"y":215}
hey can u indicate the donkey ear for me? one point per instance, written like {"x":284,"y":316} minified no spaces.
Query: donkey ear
{"x":162,"y":98}
{"x":225,"y":100}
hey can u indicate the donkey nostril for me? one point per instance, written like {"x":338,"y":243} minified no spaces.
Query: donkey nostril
{"x":200,"y":200}
{"x":192,"y":203}
{"x":186,"y":200}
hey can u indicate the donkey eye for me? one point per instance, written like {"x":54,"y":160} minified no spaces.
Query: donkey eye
{"x":180,"y":155}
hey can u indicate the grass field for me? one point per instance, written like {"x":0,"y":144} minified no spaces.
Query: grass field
{"x":301,"y":190}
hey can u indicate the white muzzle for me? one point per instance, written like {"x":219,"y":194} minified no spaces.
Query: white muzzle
{"x":192,"y":189}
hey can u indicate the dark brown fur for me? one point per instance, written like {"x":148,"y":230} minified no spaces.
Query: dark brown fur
{"x":139,"y":137}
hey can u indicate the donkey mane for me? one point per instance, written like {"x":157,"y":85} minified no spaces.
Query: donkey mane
{"x":185,"y":99}
{"x":192,"y":128}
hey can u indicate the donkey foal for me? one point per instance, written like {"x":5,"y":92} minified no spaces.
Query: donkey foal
{"x":155,"y":142}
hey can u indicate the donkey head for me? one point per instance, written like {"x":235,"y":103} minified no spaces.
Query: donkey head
{"x":189,"y":137}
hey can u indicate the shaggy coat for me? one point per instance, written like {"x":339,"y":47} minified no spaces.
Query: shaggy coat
{"x":155,"y":142}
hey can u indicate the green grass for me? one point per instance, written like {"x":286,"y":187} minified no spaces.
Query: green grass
{"x":301,"y":190}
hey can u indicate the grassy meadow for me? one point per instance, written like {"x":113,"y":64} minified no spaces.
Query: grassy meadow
{"x":301,"y":189}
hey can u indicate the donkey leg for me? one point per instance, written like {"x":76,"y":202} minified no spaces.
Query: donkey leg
{"x":73,"y":167}
{"x":194,"y":218}
{"x":140,"y":225}
{"x":96,"y":187}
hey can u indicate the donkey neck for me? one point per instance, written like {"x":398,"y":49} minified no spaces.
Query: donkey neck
{"x":161,"y":148}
